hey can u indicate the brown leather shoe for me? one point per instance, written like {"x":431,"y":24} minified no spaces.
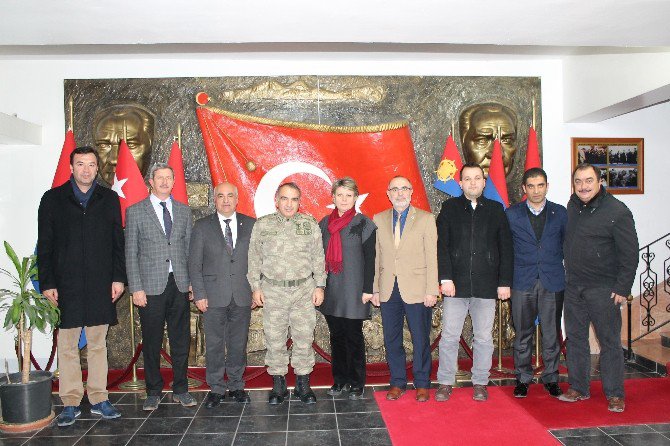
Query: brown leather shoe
{"x":615,"y":404}
{"x":572,"y":396}
{"x":443,"y":392}
{"x":394,"y":393}
{"x":480,"y":393}
{"x":422,"y":395}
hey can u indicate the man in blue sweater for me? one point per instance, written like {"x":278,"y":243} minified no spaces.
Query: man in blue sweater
{"x":538,"y":230}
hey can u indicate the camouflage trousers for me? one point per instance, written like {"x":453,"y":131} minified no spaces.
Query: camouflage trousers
{"x":289,"y":307}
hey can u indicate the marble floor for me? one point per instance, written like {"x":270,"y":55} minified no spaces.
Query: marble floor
{"x":334,"y":421}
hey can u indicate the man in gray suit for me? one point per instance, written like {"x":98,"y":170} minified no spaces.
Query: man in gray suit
{"x":158,"y":232}
{"x":218,"y":269}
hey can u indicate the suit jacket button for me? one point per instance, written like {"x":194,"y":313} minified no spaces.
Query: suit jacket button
{"x":169,"y":243}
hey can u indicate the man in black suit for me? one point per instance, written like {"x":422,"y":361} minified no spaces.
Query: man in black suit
{"x":218,"y":270}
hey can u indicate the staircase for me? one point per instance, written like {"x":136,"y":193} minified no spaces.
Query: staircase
{"x":648,"y":314}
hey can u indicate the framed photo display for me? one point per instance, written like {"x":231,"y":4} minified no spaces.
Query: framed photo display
{"x":621,"y":161}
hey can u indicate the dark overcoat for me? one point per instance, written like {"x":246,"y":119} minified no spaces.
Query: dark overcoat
{"x":80,"y":252}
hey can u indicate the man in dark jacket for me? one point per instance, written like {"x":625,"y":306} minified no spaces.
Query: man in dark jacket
{"x":601,"y":255}
{"x":475,"y":260}
{"x":538,"y":230}
{"x":82,"y":270}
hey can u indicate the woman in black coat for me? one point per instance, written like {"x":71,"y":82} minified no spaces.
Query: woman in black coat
{"x":349,"y":243}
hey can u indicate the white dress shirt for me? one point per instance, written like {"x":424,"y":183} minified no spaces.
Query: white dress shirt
{"x":233,"y":225}
{"x":156,"y":203}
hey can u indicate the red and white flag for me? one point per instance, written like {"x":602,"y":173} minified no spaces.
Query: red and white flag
{"x":176,"y":161}
{"x":533,"y":151}
{"x":258,"y":154}
{"x":63,"y":171}
{"x":128,"y":181}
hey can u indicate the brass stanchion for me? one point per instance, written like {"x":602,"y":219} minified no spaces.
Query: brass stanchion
{"x":134,"y":383}
{"x":538,"y":337}
{"x":537,"y":345}
{"x":500,"y":367}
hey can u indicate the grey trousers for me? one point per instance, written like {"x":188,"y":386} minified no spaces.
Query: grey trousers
{"x":593,"y":305}
{"x":526,"y":306}
{"x":226,"y":334}
{"x":482,"y":313}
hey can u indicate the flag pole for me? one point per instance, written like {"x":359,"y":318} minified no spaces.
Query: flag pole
{"x":134,"y":383}
{"x":452,"y":128}
{"x":179,"y":135}
{"x":71,"y":123}
{"x":533,"y":121}
{"x":500,"y":367}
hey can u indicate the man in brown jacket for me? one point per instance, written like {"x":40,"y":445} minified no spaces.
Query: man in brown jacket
{"x":406,"y":285}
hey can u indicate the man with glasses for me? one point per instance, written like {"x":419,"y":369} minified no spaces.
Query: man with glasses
{"x":405,"y":285}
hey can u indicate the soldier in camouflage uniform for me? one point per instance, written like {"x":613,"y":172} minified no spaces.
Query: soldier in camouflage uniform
{"x":287,"y":276}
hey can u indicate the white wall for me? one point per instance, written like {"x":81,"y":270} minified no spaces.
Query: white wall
{"x":34,"y":90}
{"x":600,"y":86}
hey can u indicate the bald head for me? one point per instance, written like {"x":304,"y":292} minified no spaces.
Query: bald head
{"x":225,"y":199}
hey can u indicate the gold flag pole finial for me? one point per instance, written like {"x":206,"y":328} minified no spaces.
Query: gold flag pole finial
{"x":533,"y":122}
{"x":125,"y":132}
{"x":71,"y":123}
{"x":498,"y":134}
{"x":179,"y":135}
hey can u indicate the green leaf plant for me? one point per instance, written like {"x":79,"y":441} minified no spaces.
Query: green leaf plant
{"x":26,"y":308}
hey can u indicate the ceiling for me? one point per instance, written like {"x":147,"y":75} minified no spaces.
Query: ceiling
{"x":32,"y":27}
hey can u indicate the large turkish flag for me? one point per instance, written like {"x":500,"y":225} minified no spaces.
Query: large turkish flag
{"x":312,"y":155}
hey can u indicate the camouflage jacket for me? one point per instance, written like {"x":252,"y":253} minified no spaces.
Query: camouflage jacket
{"x":286,"y":249}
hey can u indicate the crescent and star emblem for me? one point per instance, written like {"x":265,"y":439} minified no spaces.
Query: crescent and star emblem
{"x":264,"y":200}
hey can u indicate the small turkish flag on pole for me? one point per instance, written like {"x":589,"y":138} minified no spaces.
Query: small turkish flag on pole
{"x":533,"y":152}
{"x":63,"y":171}
{"x":128,"y":181}
{"x":176,"y":161}
{"x":496,"y":183}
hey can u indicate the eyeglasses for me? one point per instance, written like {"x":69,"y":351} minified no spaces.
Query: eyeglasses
{"x":395,"y":190}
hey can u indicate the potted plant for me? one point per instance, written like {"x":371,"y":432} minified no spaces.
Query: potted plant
{"x":26,"y":396}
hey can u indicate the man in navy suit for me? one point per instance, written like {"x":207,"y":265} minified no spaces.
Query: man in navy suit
{"x":538,"y":229}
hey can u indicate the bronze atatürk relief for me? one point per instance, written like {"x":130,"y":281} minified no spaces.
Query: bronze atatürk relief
{"x":133,"y":123}
{"x":480,"y":108}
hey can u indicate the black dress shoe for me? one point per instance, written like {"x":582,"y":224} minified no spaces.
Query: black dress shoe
{"x":213,"y":400}
{"x":356,"y":393}
{"x":240,"y":396}
{"x":553,"y":389}
{"x":521,"y":390}
{"x":337,"y":389}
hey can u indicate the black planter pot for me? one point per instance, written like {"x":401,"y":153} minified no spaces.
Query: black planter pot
{"x":26,"y":403}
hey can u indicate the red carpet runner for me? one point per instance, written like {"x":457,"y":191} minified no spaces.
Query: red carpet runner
{"x":505,"y":420}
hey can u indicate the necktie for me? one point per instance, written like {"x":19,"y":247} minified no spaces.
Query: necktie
{"x":167,"y":220}
{"x":228,"y":235}
{"x":396,"y":233}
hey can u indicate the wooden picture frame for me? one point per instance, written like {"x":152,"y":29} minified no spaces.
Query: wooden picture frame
{"x":621,"y":161}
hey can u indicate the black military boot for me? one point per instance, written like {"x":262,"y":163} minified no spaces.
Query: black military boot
{"x":303,"y":390}
{"x":279,"y":391}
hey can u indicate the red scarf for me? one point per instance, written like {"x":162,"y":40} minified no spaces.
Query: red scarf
{"x":334,"y":250}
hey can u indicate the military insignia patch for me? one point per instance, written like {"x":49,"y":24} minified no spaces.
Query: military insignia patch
{"x":303,"y":228}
